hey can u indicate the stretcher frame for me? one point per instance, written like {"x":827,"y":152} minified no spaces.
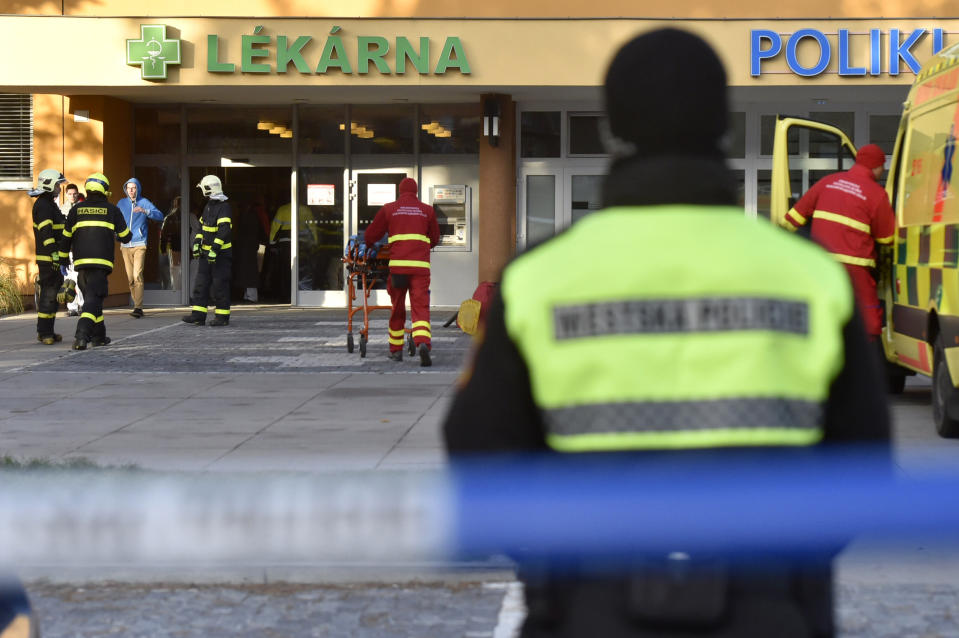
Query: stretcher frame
{"x":363,"y":274}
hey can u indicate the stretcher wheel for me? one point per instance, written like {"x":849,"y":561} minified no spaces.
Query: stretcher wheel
{"x":410,"y":345}
{"x":363,"y":345}
{"x":349,"y":342}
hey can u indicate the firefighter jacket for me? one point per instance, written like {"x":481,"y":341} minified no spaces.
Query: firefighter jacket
{"x":47,"y":229}
{"x":91,"y":229}
{"x":216,"y":228}
{"x":850,"y":213}
{"x":282,"y":225}
{"x":717,"y":335}
{"x":412,"y":228}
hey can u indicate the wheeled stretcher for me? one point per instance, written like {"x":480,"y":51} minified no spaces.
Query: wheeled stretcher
{"x":364,"y":271}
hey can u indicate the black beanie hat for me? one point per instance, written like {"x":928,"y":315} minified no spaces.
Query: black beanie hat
{"x":666,"y":95}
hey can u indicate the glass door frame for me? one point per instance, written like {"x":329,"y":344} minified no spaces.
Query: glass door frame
{"x":562,"y":171}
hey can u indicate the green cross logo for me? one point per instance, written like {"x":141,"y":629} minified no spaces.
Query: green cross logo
{"x":153,"y":52}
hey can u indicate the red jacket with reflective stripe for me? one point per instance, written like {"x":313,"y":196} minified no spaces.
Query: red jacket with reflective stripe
{"x":849,"y":212}
{"x":405,"y":217}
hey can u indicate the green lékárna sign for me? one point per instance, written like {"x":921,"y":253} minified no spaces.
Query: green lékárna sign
{"x":303,"y":54}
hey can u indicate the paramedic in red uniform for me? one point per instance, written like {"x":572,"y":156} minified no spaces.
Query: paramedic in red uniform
{"x":413,"y":231}
{"x":850,"y":213}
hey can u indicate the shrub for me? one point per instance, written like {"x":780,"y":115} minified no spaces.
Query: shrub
{"x":11,"y":302}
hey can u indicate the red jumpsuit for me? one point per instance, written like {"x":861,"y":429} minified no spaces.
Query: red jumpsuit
{"x":850,"y":213}
{"x":413,"y":232}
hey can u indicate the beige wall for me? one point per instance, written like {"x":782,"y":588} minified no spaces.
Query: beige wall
{"x":77,"y":149}
{"x":492,"y":8}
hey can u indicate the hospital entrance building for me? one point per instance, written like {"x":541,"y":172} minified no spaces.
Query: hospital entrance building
{"x":495,"y":109}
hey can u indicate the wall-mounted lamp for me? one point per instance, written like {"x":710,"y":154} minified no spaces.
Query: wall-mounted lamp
{"x":491,"y":121}
{"x":264,"y":125}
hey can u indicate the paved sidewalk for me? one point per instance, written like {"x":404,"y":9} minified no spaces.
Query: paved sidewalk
{"x":275,"y":390}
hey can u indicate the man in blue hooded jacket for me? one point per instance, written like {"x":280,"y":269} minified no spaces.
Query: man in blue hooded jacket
{"x":136,"y":211}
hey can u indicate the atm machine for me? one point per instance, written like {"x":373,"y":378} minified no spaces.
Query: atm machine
{"x":453,"y":204}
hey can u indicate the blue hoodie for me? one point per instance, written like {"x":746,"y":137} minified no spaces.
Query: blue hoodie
{"x":137,"y":222}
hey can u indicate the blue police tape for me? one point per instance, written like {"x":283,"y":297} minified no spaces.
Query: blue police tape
{"x":571,"y":507}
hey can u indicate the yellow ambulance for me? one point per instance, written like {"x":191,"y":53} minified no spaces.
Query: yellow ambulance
{"x":919,"y":276}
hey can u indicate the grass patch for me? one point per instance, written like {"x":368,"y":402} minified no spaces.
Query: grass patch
{"x":8,"y":462}
{"x":11,"y":303}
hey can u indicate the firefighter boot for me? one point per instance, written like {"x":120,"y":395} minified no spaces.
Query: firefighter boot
{"x":196,"y":320}
{"x":79,"y":343}
{"x":220,"y":320}
{"x":425,"y":360}
{"x":49,"y":340}
{"x":100,"y":341}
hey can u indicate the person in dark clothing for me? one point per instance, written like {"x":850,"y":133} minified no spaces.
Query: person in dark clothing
{"x":723,"y":338}
{"x":214,"y":247}
{"x":47,"y":234}
{"x":91,"y":229}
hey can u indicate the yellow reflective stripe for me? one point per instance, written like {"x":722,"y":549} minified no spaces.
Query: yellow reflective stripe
{"x":854,"y":261}
{"x":225,"y":246}
{"x":218,"y":241}
{"x":412,"y":236}
{"x":67,"y":233}
{"x":200,"y":309}
{"x":224,"y":219}
{"x":44,"y":258}
{"x":396,"y":342}
{"x":397,"y":333}
{"x":87,"y":224}
{"x":205,"y":247}
{"x":421,"y":324}
{"x":47,"y":315}
{"x":99,"y":319}
{"x":885,"y":240}
{"x":124,"y":233}
{"x":44,"y":223}
{"x":58,"y":226}
{"x":794,"y":215}
{"x":92,"y":260}
{"x":198,"y":236}
{"x":210,"y":229}
{"x":422,"y":333}
{"x":409,"y":262}
{"x":90,"y":316}
{"x":683,"y":440}
{"x":49,"y":240}
{"x":842,"y":219}
{"x":220,"y":311}
{"x":64,"y":255}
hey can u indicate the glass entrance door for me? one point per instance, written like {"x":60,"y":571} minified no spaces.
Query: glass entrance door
{"x":553,"y":198}
{"x":371,"y":189}
{"x":320,"y":236}
{"x":261,"y":246}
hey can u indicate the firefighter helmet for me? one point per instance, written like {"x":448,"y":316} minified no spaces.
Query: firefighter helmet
{"x":48,"y":179}
{"x":99,"y":183}
{"x":210,"y":185}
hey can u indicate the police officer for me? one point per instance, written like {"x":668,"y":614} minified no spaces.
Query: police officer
{"x":718,"y":336}
{"x":213,"y":245}
{"x":47,"y":234}
{"x":91,"y":228}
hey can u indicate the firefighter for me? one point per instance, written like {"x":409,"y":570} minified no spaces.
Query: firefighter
{"x":47,"y":234}
{"x":213,"y":245}
{"x":91,"y":228}
{"x":850,"y":214}
{"x":719,"y":338}
{"x":413,"y":232}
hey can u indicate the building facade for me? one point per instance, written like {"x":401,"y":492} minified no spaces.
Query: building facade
{"x":496,"y":110}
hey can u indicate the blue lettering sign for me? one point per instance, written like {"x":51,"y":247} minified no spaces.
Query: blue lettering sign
{"x":899,"y":51}
{"x":756,"y":52}
{"x":825,"y":52}
{"x":844,"y":68}
{"x":875,"y":52}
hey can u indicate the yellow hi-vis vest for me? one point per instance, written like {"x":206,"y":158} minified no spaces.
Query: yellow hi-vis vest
{"x":674,"y":327}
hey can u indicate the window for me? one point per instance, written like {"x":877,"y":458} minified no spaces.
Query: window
{"x":540,"y":134}
{"x":584,"y":134}
{"x":16,"y":141}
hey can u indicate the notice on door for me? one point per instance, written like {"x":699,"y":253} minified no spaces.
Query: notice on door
{"x":380,"y":194}
{"x":320,"y":195}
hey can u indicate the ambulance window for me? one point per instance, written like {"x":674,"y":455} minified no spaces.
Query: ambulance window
{"x":883,"y":130}
{"x":540,"y":134}
{"x":737,"y":135}
{"x":767,"y":134}
{"x":584,"y":137}
{"x":827,"y":145}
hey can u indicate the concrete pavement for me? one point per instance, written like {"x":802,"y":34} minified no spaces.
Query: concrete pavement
{"x":275,"y":390}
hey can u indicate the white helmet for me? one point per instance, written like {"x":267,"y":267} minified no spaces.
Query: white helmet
{"x":210,"y":185}
{"x":48,"y":179}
